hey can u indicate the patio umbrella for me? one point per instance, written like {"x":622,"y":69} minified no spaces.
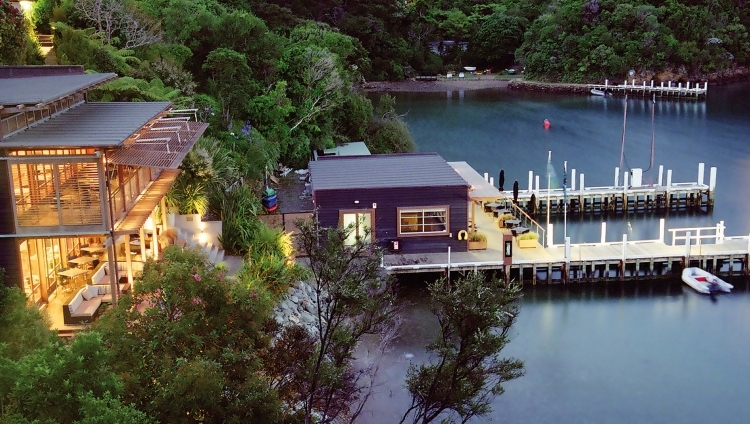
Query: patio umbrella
{"x":532,"y":204}
{"x":515,"y":192}
{"x":501,"y":180}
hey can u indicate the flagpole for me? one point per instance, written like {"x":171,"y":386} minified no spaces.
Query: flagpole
{"x":549,"y":193}
{"x":565,"y":199}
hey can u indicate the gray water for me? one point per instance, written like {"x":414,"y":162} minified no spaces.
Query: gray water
{"x":502,"y":129}
{"x":648,"y":352}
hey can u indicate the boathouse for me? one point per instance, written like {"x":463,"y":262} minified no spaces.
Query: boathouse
{"x":412,"y":203}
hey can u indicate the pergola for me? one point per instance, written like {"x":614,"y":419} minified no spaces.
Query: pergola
{"x":481,"y":190}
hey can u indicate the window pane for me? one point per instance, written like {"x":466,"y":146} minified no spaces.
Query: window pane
{"x":423,"y":221}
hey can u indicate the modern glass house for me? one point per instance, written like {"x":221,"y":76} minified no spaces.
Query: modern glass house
{"x":81,"y":182}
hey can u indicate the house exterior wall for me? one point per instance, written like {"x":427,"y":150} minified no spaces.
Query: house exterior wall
{"x":388,"y":200}
{"x":9,"y":255}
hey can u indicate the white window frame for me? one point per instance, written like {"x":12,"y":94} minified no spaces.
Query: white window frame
{"x":422,"y":210}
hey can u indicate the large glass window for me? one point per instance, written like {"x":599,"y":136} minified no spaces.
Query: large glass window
{"x":429,"y":221}
{"x":42,"y":259}
{"x":360,"y":223}
{"x":48,"y":195}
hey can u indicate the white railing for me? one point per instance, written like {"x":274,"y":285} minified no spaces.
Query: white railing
{"x":698,"y":234}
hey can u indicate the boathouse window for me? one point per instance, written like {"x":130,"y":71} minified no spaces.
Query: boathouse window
{"x":429,"y":221}
{"x":360,"y":223}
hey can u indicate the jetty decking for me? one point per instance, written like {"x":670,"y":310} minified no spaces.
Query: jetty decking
{"x":620,"y":260}
{"x":630,"y":196}
{"x":661,"y":90}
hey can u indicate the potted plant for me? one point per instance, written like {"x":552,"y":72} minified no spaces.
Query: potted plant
{"x":504,"y":217}
{"x":477,"y":241}
{"x":528,"y":240}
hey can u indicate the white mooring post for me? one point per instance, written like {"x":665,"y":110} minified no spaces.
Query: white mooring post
{"x":604,"y":233}
{"x":720,"y":232}
{"x":550,"y":238}
{"x":687,"y":249}
{"x":652,"y":83}
{"x":573,"y":179}
{"x":606,"y":83}
{"x":531,"y":181}
{"x":669,"y":178}
{"x":617,"y":176}
{"x":624,"y":246}
{"x":486,"y":176}
{"x":700,"y":173}
{"x":712,"y":178}
{"x":537,"y":185}
{"x":492,"y":181}
{"x":662,"y":223}
{"x":581,"y":184}
{"x":661,"y":174}
{"x":567,"y":250}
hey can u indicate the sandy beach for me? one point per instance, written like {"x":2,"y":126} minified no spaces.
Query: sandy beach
{"x":436,"y":86}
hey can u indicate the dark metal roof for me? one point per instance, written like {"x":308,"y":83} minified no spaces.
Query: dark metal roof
{"x":88,"y":125}
{"x":383,"y":171}
{"x":35,"y":90}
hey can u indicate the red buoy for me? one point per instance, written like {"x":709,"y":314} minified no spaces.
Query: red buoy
{"x":547,"y":124}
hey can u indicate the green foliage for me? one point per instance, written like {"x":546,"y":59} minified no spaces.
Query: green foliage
{"x":239,"y":220}
{"x":13,"y":38}
{"x":353,"y":300}
{"x":24,"y":327}
{"x":106,"y":410}
{"x":127,"y":89}
{"x":386,"y":132}
{"x":51,"y":384}
{"x":465,"y":373}
{"x":192,"y":352}
{"x":269,"y":263}
{"x":231,"y":80}
{"x":476,"y":236}
{"x":529,"y":236}
{"x":597,"y":39}
{"x":79,"y":47}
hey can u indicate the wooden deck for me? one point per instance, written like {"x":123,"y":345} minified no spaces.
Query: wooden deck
{"x":621,"y":260}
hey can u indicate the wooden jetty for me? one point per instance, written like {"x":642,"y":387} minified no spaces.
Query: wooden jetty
{"x":631,"y":196}
{"x":661,"y":90}
{"x":620,"y":260}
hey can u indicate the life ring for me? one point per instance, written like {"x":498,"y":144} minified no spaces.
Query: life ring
{"x":463,"y":235}
{"x":547,"y":124}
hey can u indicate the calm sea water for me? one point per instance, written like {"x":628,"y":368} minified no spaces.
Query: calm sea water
{"x":502,"y":129}
{"x":608,"y":353}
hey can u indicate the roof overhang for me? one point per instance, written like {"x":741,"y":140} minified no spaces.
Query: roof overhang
{"x":96,"y":124}
{"x":145,"y":205}
{"x":480,"y":188}
{"x":25,"y":93}
{"x":163,"y":143}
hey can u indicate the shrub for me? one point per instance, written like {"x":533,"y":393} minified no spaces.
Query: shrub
{"x":475,"y":236}
{"x":529,"y":236}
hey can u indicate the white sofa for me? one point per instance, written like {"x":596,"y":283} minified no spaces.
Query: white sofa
{"x":83,"y":306}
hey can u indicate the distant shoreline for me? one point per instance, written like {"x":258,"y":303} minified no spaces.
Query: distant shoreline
{"x":411,"y":86}
{"x":482,"y":82}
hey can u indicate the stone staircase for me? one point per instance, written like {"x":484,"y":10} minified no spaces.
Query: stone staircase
{"x":215,"y":254}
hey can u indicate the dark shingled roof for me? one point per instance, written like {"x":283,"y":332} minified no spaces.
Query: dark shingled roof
{"x":383,"y":171}
{"x":88,"y":125}
{"x":35,"y":90}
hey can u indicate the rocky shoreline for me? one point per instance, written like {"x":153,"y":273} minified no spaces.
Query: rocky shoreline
{"x":299,"y":307}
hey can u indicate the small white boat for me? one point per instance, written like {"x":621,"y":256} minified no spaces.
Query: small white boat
{"x":704,"y":282}
{"x":596,"y":92}
{"x":470,"y":68}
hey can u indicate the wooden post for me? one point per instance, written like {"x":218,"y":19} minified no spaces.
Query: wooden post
{"x":128,"y":261}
